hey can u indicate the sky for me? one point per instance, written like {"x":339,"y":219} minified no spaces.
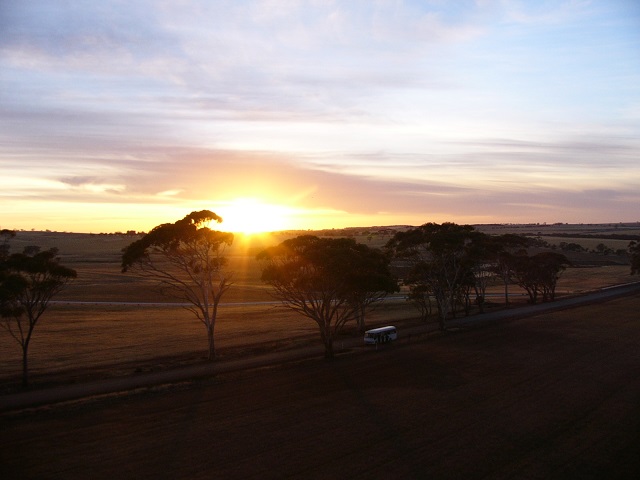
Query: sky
{"x":290,"y":114}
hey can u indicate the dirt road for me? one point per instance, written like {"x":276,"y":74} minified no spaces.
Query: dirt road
{"x":550,"y":396}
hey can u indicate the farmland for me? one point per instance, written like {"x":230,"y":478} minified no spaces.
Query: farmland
{"x":554,"y":396}
{"x":550,"y":396}
{"x":122,"y":325}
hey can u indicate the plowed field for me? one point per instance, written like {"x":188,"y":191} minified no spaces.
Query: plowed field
{"x":552,"y":396}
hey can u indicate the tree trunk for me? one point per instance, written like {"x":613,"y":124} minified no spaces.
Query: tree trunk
{"x":211,"y":325}
{"x":424,"y":313}
{"x":212,"y":349}
{"x":443,"y":310}
{"x":506,"y":294}
{"x":360,"y":319}
{"x":25,"y":366}
{"x":328,"y":349}
{"x":327,"y":338}
{"x":467,"y":304}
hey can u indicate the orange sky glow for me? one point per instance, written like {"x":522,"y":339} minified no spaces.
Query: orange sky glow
{"x":314,"y":115}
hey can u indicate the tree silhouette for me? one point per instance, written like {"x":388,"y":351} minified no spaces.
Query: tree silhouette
{"x":420,"y":297}
{"x":503,"y":262}
{"x":187,"y":259}
{"x":370,"y":280}
{"x":330,"y":281}
{"x":28,"y":281}
{"x":539,"y":274}
{"x":441,"y":257}
{"x":634,"y":252}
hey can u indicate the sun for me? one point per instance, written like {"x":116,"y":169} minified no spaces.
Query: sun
{"x":252,"y":216}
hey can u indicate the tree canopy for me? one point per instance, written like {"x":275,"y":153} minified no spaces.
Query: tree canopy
{"x":538,"y":274}
{"x":331,"y":281}
{"x":175,"y":238}
{"x":503,"y":264}
{"x":187,"y":260}
{"x":634,"y":252}
{"x":28,"y":282}
{"x":449,"y":260}
{"x":441,"y":256}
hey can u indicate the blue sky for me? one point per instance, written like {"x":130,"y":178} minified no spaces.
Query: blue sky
{"x":120,"y":115}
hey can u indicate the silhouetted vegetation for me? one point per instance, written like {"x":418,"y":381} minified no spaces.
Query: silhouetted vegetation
{"x":442,"y":259}
{"x":330,"y":280}
{"x":456,"y":267}
{"x":603,"y":236}
{"x":502,"y":264}
{"x":28,"y":281}
{"x":448,"y":262}
{"x":539,"y":274}
{"x":634,"y":253}
{"x":187,"y":260}
{"x":571,"y":247}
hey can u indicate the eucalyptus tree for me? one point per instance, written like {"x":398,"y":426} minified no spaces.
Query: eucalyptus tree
{"x":28,"y":282}
{"x":329,"y":280}
{"x":539,"y":274}
{"x":187,"y":260}
{"x":421,"y":299}
{"x":503,"y":260}
{"x":370,"y":279}
{"x":5,"y":235}
{"x":551,"y":265}
{"x":634,"y":252}
{"x":441,"y":257}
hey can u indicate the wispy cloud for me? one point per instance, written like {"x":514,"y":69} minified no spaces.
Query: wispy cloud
{"x":497,"y":110}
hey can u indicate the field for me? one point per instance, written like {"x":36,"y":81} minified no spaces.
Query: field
{"x":555,"y":396}
{"x":116,"y":332}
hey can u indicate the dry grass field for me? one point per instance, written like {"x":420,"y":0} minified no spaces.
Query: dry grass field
{"x":98,"y":338}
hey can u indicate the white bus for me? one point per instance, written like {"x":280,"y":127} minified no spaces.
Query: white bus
{"x":380,"y":335}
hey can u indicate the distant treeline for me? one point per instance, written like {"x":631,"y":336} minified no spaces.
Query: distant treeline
{"x":600,"y":236}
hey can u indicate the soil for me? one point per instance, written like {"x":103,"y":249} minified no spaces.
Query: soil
{"x":551,"y":396}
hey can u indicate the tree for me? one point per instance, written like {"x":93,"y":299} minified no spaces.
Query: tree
{"x":551,"y":266}
{"x":419,"y":295}
{"x":571,"y":247}
{"x":472,"y":279}
{"x":325,"y":280}
{"x":369,"y":280}
{"x":441,"y":256}
{"x":10,"y":283}
{"x":187,"y":259}
{"x":28,"y":281}
{"x":481,"y":263}
{"x":503,"y":264}
{"x":602,"y":249}
{"x":6,"y":235}
{"x":539,"y":274}
{"x":634,"y":252}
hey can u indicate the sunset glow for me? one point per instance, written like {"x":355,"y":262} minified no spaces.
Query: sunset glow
{"x":250,"y":216}
{"x":309,"y":115}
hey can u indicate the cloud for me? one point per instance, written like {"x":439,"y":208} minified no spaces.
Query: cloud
{"x":320,"y":45}
{"x":545,"y":12}
{"x":479,"y":109}
{"x":99,"y":37}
